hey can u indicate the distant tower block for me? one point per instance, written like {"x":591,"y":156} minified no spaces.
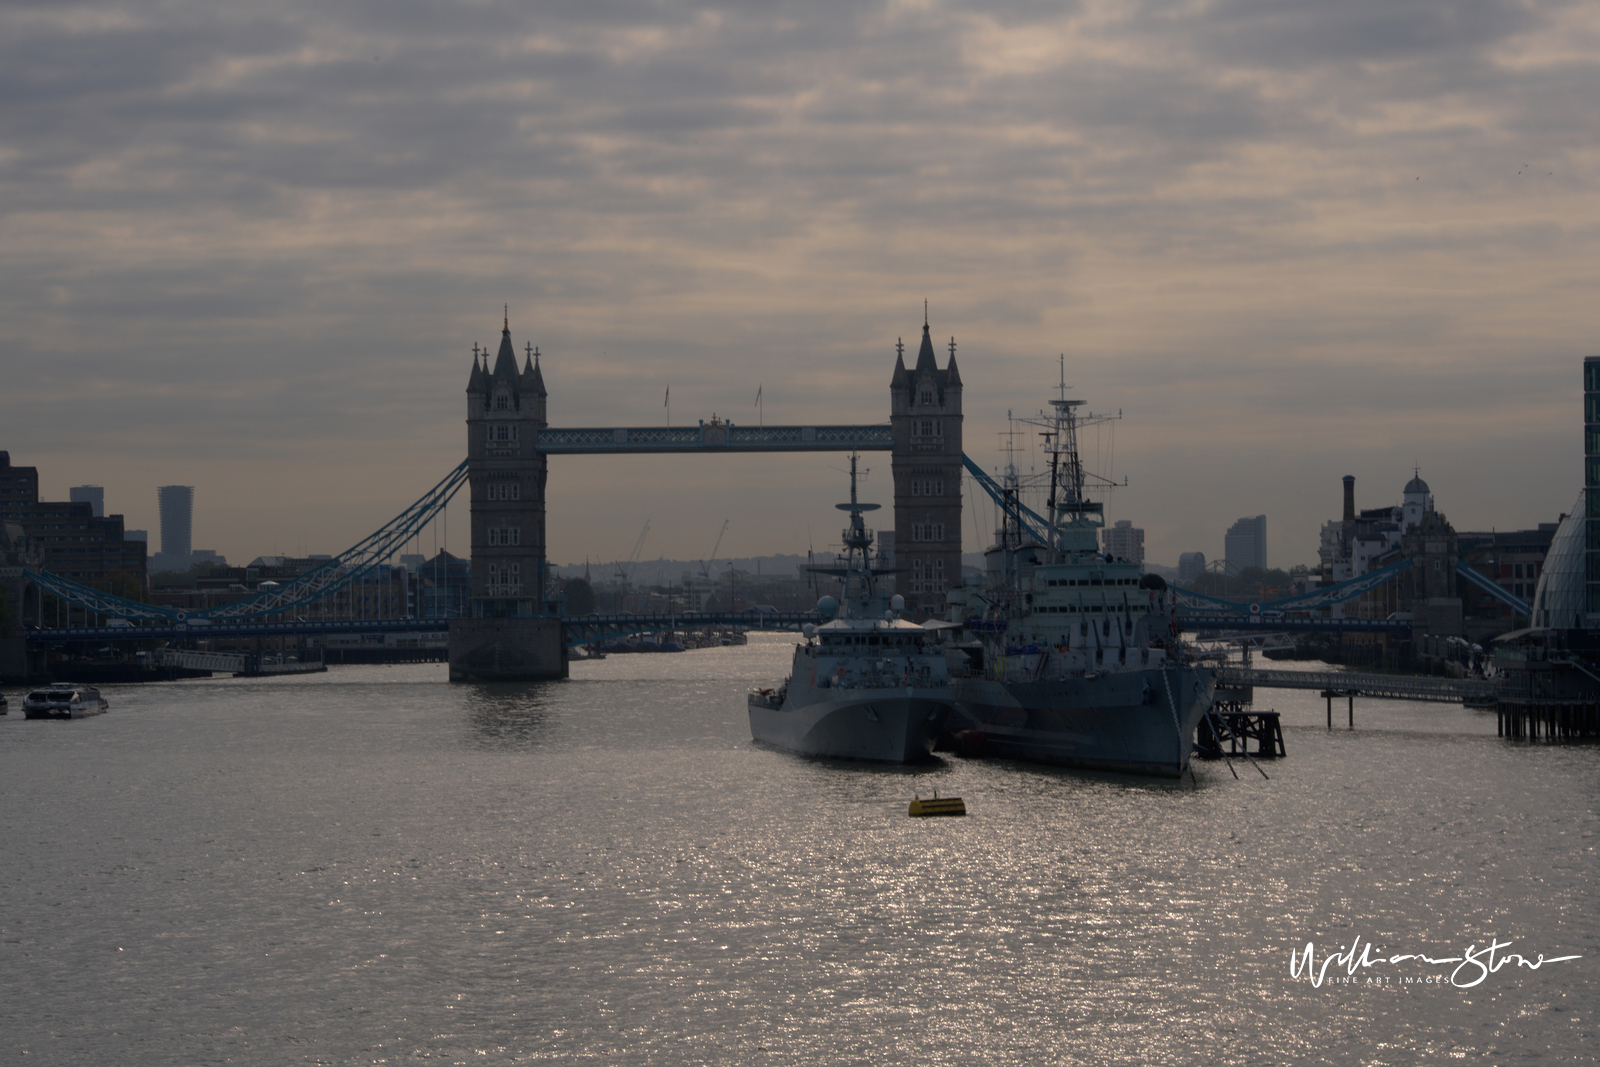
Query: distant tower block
{"x":1591,"y":482}
{"x":93,"y":495}
{"x":1245,"y":544}
{"x":177,"y":515}
{"x":512,"y":632}
{"x":925,"y":417}
{"x":1124,"y":541}
{"x":1191,"y":565}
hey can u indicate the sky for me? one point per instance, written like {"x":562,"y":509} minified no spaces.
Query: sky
{"x":250,"y":247}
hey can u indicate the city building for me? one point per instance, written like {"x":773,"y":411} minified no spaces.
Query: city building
{"x":1591,"y":481}
{"x":1367,"y":540}
{"x":444,"y":587}
{"x":67,"y":538}
{"x":93,"y":495}
{"x":1560,"y":600}
{"x":1550,"y":670}
{"x":18,"y":485}
{"x":1514,"y":560}
{"x":1123,"y":540}
{"x":1245,"y":544}
{"x":176,"y":504}
{"x":1566,"y":600}
{"x":925,"y":416}
{"x":1191,"y":565}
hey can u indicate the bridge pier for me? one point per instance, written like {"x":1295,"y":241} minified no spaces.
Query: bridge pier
{"x":1348,"y":694}
{"x":506,"y":650}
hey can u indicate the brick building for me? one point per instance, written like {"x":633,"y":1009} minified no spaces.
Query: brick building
{"x":68,"y":539}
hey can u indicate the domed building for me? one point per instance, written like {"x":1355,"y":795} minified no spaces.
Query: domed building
{"x":1558,"y":601}
{"x":1549,"y":673}
{"x":1416,"y":501}
{"x":1365,"y":541}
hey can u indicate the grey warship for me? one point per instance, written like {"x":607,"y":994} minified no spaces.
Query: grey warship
{"x":1078,"y":660}
{"x":865,"y":684}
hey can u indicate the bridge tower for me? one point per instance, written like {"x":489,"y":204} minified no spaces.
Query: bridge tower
{"x":925,"y":417}
{"x":513,"y":629}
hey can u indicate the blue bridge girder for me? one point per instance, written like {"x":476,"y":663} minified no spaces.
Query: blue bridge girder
{"x":713,"y":437}
{"x":348,"y":567}
{"x":1494,"y":589}
{"x":575,"y":629}
{"x":1032,"y":523}
{"x":1317,"y":598}
{"x":244,"y":628}
{"x":588,"y":629}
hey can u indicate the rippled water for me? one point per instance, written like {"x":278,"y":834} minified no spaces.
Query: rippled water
{"x":375,"y":866}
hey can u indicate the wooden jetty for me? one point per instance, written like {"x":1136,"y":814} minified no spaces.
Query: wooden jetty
{"x":1551,"y":720}
{"x":1348,"y":685}
{"x":1232,"y":723}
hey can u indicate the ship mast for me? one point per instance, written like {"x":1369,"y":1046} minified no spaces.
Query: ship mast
{"x":857,"y":538}
{"x":1069,"y":505}
{"x":1073,"y":519}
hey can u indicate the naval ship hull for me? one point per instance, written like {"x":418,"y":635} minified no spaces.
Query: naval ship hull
{"x":1117,"y":721}
{"x":889,"y":725}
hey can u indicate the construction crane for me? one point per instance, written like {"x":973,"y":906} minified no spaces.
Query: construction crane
{"x":705,"y":566}
{"x":626,"y":573}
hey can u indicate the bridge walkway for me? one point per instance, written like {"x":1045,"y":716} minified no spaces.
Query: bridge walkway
{"x":1347,"y":683}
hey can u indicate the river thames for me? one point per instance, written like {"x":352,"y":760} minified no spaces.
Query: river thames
{"x":374,"y":866}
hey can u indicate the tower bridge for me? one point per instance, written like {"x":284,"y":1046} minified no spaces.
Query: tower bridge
{"x":512,"y":629}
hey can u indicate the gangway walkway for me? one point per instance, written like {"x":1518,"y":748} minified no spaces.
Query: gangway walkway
{"x":231,"y":663}
{"x":1346,"y":683}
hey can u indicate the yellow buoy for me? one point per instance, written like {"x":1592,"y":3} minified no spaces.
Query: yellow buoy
{"x":938,"y":806}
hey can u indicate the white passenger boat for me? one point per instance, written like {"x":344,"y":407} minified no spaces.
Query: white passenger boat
{"x":63,"y":700}
{"x":1078,"y":660}
{"x":865,"y":684}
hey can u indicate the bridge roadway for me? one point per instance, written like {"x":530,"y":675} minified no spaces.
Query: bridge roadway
{"x":1344,"y":683}
{"x":585,"y":629}
{"x":576,"y":629}
{"x":713,"y":437}
{"x":1203,"y":620}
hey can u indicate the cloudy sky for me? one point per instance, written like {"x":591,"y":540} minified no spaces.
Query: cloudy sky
{"x":249,"y":247}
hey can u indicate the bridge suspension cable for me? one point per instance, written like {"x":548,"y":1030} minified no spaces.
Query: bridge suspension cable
{"x":320,"y":582}
{"x":1317,"y":598}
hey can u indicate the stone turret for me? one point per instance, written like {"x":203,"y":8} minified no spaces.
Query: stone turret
{"x":925,"y":416}
{"x":513,"y":630}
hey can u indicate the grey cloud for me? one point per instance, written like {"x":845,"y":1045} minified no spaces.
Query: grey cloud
{"x":295,"y":221}
{"x":1275,"y":33}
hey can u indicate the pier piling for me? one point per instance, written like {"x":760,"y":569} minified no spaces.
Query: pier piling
{"x":1349,"y":695}
{"x":1549,"y":720}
